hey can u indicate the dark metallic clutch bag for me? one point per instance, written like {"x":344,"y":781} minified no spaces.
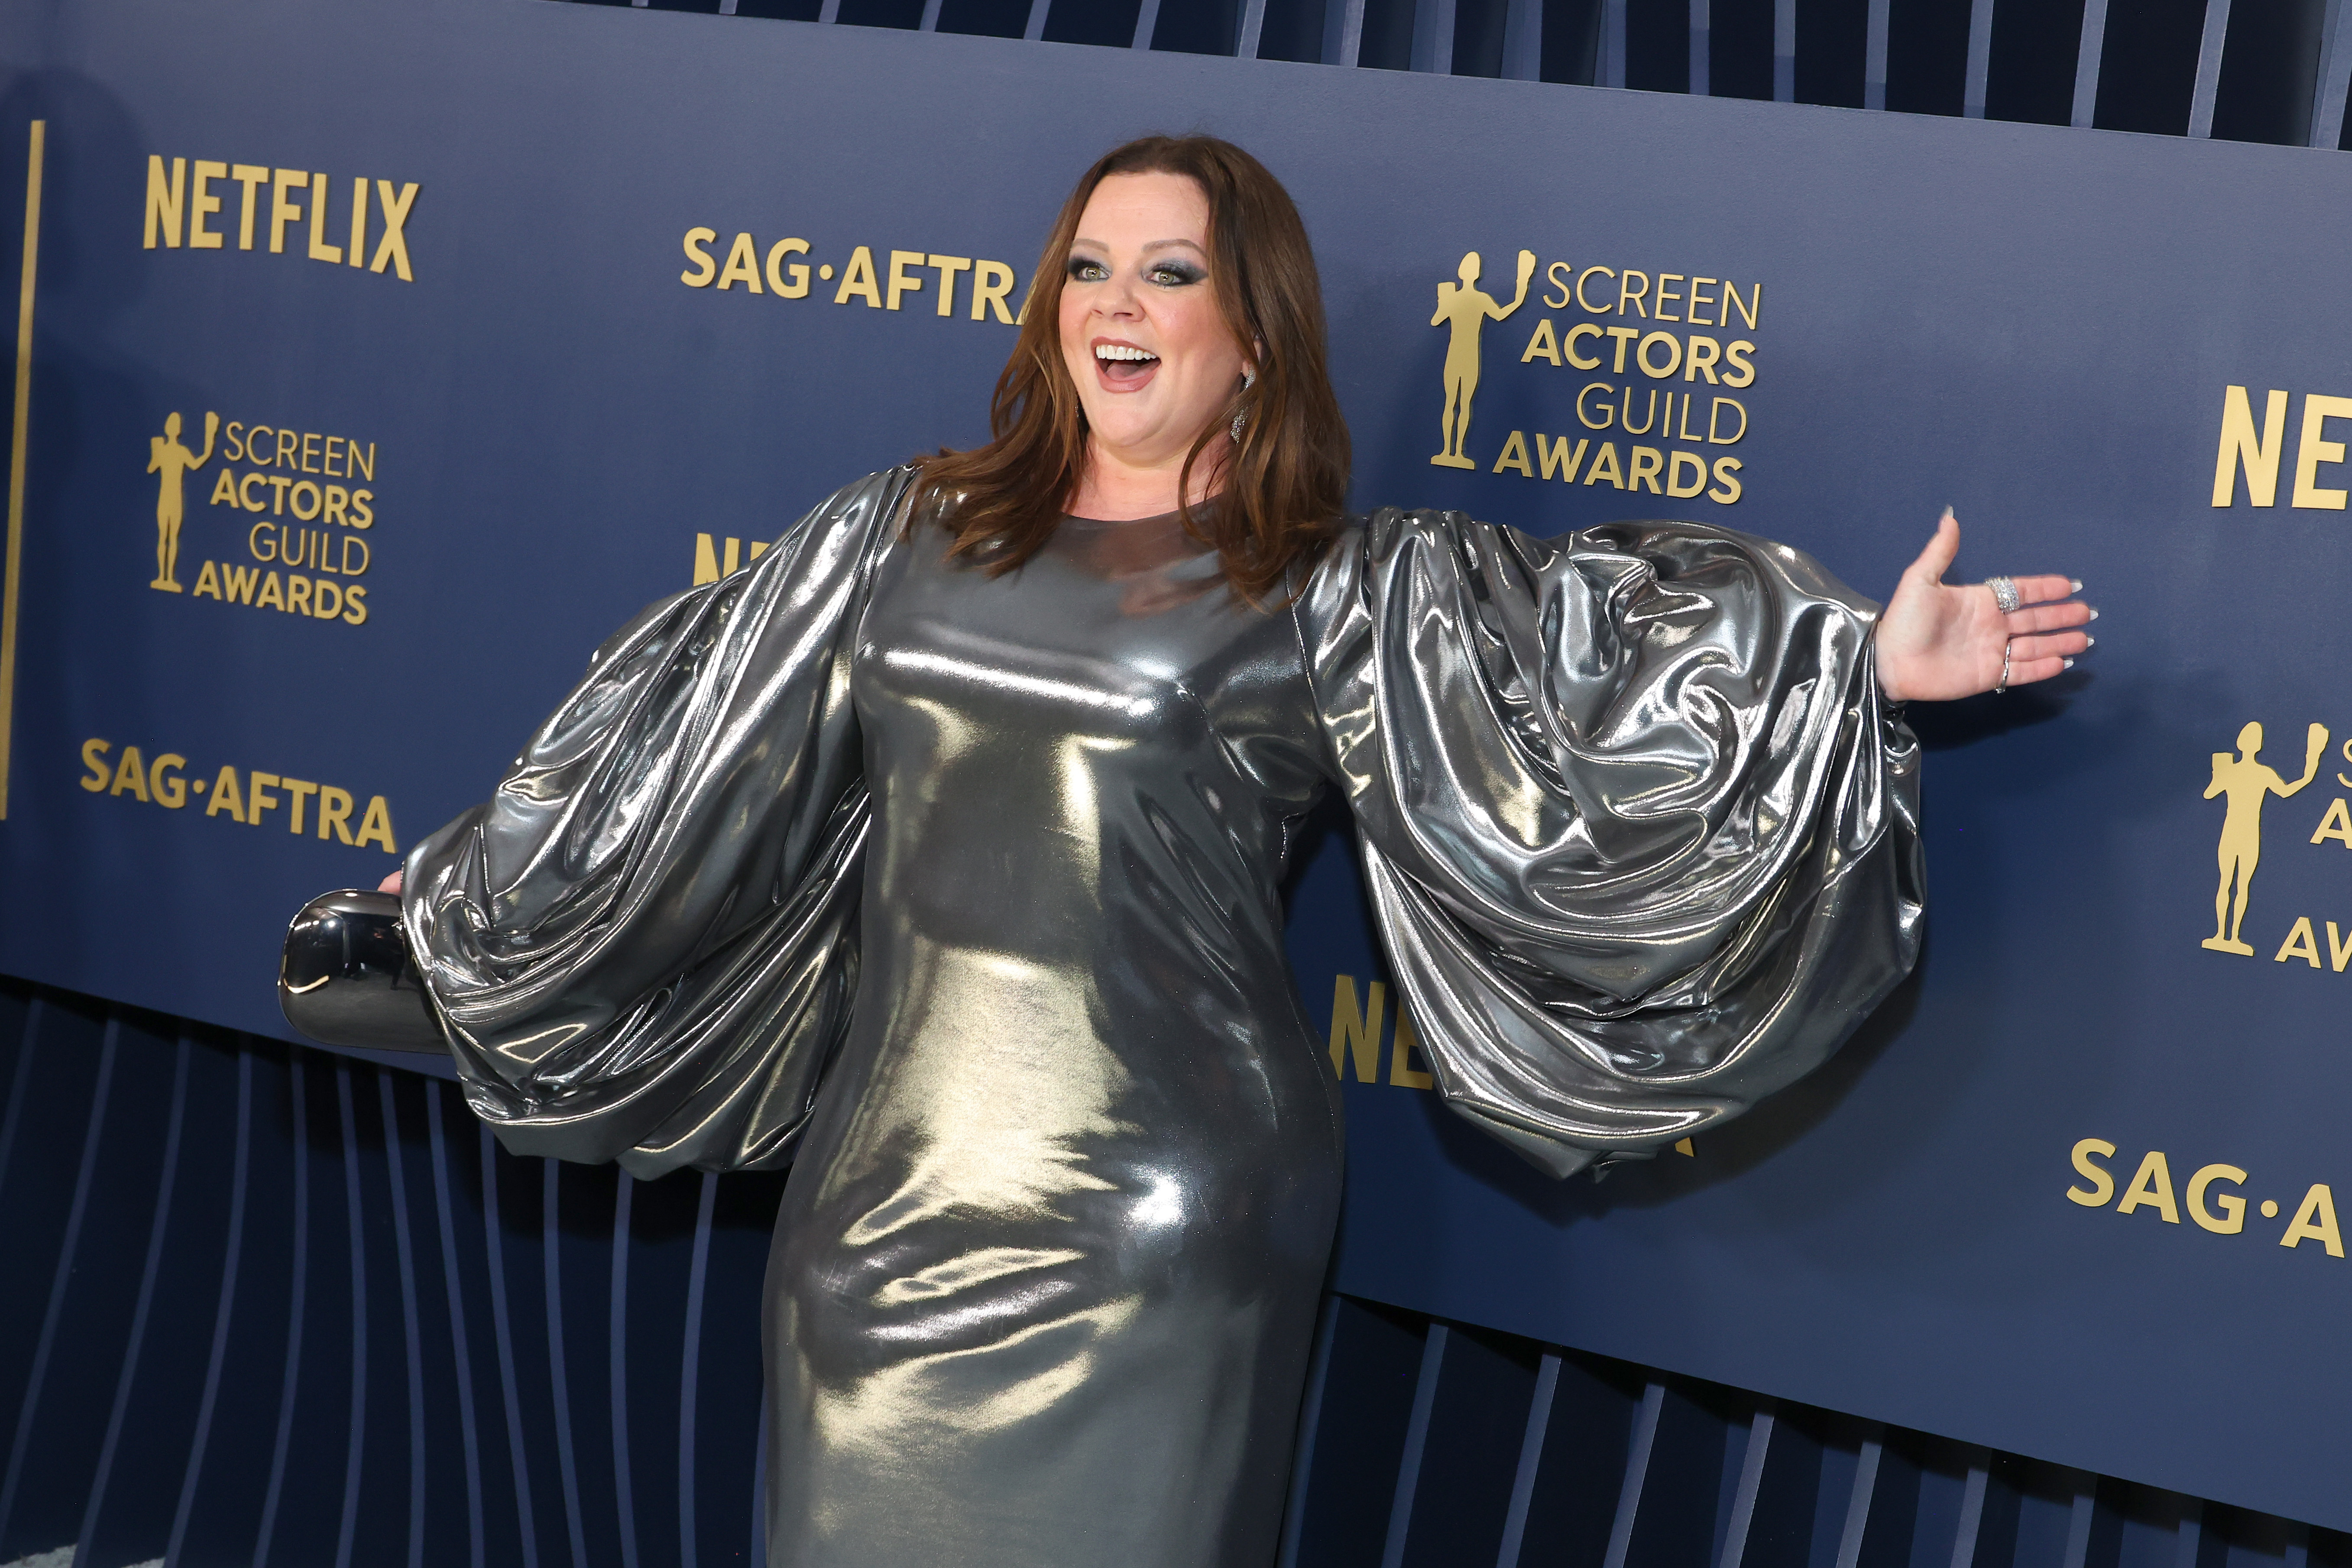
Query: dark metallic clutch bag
{"x":347,"y":979}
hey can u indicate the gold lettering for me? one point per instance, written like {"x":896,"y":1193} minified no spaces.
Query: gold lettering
{"x":281,"y":211}
{"x":319,"y":249}
{"x":165,"y":200}
{"x":705,"y":268}
{"x":163,"y":777}
{"x":2314,"y":450}
{"x":375,"y":825}
{"x":299,"y":792}
{"x":335,"y":812}
{"x":2151,"y":1187}
{"x":901,"y":281}
{"x":992,"y":284}
{"x":1356,"y":1033}
{"x":394,"y":246}
{"x":1515,"y":456}
{"x":226,"y":796}
{"x":2103,"y":1186}
{"x":743,"y":266}
{"x":93,"y":757}
{"x":789,"y":282}
{"x":130,"y":773}
{"x":857,"y":278}
{"x":2232,"y":1217}
{"x":200,"y":202}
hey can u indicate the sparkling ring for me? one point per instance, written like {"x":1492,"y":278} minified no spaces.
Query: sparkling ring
{"x":2004,"y":592}
{"x":2002,"y":684}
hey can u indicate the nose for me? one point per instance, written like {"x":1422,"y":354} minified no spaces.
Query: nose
{"x":1117,"y":297}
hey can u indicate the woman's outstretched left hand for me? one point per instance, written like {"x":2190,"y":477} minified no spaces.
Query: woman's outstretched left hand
{"x":1938,"y":641}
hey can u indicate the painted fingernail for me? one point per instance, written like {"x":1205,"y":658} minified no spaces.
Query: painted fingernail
{"x":1949,"y":514}
{"x":2090,"y":642}
{"x":2094,"y":614}
{"x":2070,"y":664}
{"x":2077,"y":582}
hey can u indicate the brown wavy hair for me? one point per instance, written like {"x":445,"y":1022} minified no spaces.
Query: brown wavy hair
{"x":1286,"y":482}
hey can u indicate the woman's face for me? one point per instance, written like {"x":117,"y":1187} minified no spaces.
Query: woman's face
{"x":1141,"y":333}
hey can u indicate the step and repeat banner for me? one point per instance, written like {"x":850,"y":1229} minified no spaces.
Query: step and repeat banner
{"x":386,"y":357}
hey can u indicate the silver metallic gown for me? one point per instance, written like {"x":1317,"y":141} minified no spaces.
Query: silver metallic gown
{"x":959,"y":895}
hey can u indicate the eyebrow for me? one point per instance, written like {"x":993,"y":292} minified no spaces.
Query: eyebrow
{"x":1149,"y":245}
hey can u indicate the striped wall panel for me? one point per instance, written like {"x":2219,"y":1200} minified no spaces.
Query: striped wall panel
{"x":274,"y":1308}
{"x":2252,"y":70}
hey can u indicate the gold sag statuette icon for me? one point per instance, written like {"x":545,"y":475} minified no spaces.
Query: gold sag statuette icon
{"x":2248,"y":782}
{"x":1467,"y":308}
{"x":167,"y":457}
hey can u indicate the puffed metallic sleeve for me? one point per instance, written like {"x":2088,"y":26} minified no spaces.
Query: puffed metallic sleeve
{"x":643,"y":946}
{"x":1638,"y":827}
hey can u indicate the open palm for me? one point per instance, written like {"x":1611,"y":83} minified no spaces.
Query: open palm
{"x":1938,"y":641}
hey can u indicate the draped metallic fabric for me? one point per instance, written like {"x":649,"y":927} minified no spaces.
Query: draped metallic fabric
{"x":960,"y":894}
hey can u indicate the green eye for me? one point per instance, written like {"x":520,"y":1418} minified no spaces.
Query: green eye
{"x":1084,"y":270}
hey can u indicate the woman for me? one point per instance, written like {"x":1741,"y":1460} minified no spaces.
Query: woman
{"x":938,"y":853}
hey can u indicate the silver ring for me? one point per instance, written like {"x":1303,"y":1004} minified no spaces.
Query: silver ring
{"x":2002,"y":684}
{"x":2004,"y":592}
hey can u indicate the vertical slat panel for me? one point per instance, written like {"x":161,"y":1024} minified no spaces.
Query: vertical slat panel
{"x":1474,"y":1443}
{"x":29,"y":1039}
{"x":509,"y":1387}
{"x":2208,"y":67}
{"x":224,"y":1307}
{"x":1433,"y":36}
{"x":1252,"y":28}
{"x":1587,"y":1446}
{"x":1874,"y":57}
{"x":403,"y":1246}
{"x":1343,"y":31}
{"x":452,"y":1288}
{"x":297,"y":1286}
{"x":617,"y":1351}
{"x":1523,"y":31}
{"x":1302,"y":1460}
{"x":1701,"y":30}
{"x":61,"y":1276}
{"x":158,"y":1227}
{"x":2334,"y":77}
{"x":1882,"y":1507}
{"x":355,"y":1453}
{"x":1416,"y":1440}
{"x":1611,"y":71}
{"x":1531,"y":1446}
{"x":1772,"y":1523}
{"x":1369,"y":1391}
{"x":2086,"y":61}
{"x":1784,"y":51}
{"x":1667,"y":1509}
{"x":1637,"y":1474}
{"x":1972,"y":95}
{"x":690,"y":1369}
{"x":559,"y":1368}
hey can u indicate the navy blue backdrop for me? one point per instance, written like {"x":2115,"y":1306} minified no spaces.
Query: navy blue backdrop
{"x":2040,"y":1204}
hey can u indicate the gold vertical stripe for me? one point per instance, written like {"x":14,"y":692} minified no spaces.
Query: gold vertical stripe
{"x":13,"y":568}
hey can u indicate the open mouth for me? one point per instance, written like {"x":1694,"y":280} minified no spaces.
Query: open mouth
{"x":1123,"y":366}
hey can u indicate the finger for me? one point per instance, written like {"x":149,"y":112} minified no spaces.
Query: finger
{"x":2047,"y":618}
{"x":2044,"y":590}
{"x":1937,"y":559}
{"x":2026,"y":672}
{"x":2056,"y":645}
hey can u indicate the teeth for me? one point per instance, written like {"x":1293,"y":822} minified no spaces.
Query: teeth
{"x":1120,"y":351}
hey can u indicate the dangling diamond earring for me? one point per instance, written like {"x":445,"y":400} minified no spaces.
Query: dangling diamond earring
{"x":1249,"y":379}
